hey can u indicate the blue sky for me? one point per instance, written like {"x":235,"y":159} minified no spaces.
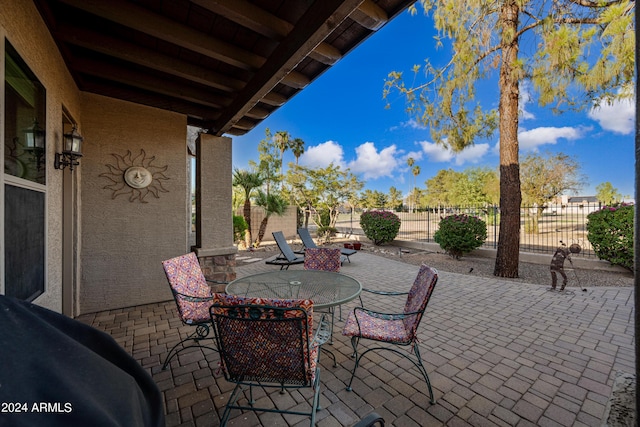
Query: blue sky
{"x":342,"y":119}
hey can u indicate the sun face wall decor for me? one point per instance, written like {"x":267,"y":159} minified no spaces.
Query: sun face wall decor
{"x":135,"y":177}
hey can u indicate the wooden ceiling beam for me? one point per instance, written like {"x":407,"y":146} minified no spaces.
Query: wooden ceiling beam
{"x":258,"y":113}
{"x":145,"y":21}
{"x":314,"y":26}
{"x":137,"y":54}
{"x":296,"y":80}
{"x":194,"y":112}
{"x":248,"y":15}
{"x":264,"y":23}
{"x":141,"y":80}
{"x":370,"y":15}
{"x":274,"y":99}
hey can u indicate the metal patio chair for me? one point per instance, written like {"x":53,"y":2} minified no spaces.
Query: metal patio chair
{"x":193,"y":298}
{"x":267,"y":343}
{"x":373,"y":419}
{"x":325,"y":259}
{"x":308,"y":243}
{"x":399,"y":329}
{"x":286,"y":257}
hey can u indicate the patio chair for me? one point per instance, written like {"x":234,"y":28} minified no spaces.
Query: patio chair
{"x":370,"y":420}
{"x":287,"y":257}
{"x":193,"y":298}
{"x":307,"y":242}
{"x":267,"y":343}
{"x":325,"y":259}
{"x":394,"y":328}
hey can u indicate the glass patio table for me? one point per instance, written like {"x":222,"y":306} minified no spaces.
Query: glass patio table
{"x":325,"y":288}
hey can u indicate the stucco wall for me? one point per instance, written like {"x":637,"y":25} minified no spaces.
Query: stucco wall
{"x":22,"y":26}
{"x":124,"y":241}
{"x":285,"y":223}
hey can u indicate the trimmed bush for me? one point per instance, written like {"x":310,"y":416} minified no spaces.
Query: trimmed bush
{"x":326,"y":233}
{"x":380,"y":226}
{"x":460,"y":234}
{"x":610,"y":232}
{"x":239,"y":228}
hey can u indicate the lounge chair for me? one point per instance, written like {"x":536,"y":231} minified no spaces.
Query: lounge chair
{"x":307,"y":242}
{"x":287,"y":257}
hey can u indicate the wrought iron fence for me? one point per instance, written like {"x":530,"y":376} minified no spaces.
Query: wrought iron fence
{"x":541,"y":230}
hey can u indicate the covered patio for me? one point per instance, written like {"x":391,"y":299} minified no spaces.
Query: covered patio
{"x":498,"y":353}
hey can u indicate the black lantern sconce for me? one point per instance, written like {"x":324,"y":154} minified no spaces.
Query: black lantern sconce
{"x":72,"y":150}
{"x":34,"y":142}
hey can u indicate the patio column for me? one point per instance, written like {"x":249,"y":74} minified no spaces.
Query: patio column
{"x":214,"y":221}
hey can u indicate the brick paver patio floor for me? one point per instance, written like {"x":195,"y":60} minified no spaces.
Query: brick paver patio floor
{"x":498,"y":353}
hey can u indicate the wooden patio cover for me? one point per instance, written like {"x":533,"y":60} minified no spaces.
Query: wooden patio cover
{"x":226,"y":64}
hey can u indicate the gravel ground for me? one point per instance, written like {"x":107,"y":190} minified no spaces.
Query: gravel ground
{"x":479,"y":266}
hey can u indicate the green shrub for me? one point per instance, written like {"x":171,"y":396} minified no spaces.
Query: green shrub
{"x":610,"y":232}
{"x":460,"y":234}
{"x":239,"y":228}
{"x":380,"y":226}
{"x":324,"y":217}
{"x":326,"y":233}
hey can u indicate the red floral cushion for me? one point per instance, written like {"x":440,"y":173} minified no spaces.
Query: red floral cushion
{"x":322,"y":259}
{"x":369,"y":326}
{"x":396,"y":328}
{"x":191,"y":291}
{"x":272,"y":361}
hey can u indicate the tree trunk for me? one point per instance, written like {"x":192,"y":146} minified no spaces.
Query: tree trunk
{"x":246,"y":211}
{"x":508,"y":254}
{"x":262,"y":230}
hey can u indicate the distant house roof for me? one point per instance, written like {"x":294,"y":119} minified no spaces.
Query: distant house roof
{"x":582,"y":199}
{"x":227,"y":65}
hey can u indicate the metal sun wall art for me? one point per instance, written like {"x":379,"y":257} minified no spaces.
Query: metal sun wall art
{"x":135,"y":177}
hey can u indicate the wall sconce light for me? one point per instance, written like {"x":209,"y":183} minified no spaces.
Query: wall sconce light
{"x":72,"y":150}
{"x":34,"y":142}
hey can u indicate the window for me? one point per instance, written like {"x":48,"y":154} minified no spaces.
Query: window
{"x":24,"y":104}
{"x":24,"y":180}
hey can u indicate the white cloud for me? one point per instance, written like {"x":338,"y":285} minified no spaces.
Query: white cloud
{"x":322,"y":155}
{"x":525,"y":98}
{"x":618,"y":117}
{"x":373,"y":164}
{"x":438,"y":153}
{"x":411,"y":124}
{"x":534,"y":138}
{"x":472,"y":154}
{"x":415,"y":155}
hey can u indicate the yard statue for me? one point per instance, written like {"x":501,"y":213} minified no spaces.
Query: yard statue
{"x":557,"y":265}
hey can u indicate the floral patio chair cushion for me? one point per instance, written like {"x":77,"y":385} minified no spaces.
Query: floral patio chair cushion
{"x":325,"y":259}
{"x":395,"y":328}
{"x":189,"y":286}
{"x":266,"y":359}
{"x":419,"y":297}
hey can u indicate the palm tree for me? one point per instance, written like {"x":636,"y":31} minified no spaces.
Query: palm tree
{"x":410,"y":163}
{"x":416,"y":172}
{"x":283,"y":143}
{"x":272,"y":204}
{"x":297,"y":148}
{"x":248,"y":181}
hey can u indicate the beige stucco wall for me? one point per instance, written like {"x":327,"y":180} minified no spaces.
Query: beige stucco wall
{"x":22,"y":26}
{"x":285,"y":223}
{"x":123,"y":241}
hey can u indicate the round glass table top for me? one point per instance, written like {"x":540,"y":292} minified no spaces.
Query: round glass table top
{"x":324,"y":288}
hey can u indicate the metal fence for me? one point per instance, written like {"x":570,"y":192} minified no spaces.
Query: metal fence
{"x":540,"y":231}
